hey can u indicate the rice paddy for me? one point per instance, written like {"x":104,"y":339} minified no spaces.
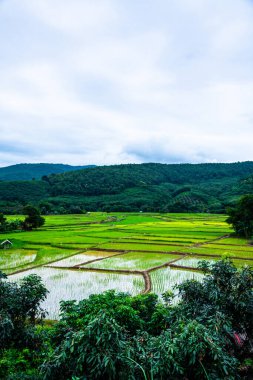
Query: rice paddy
{"x":81,"y":258}
{"x":166,"y":278}
{"x":77,"y":285}
{"x":134,"y":261}
{"x":77,"y":255}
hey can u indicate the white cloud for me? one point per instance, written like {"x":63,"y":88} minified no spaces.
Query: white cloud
{"x":113,"y":82}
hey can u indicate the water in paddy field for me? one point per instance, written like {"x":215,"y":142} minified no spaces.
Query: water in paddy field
{"x":78,"y":259}
{"x":193,"y":261}
{"x":11,"y":259}
{"x":166,"y":278}
{"x":77,"y":285}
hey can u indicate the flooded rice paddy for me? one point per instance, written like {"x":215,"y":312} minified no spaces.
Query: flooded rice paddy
{"x":80,"y":255}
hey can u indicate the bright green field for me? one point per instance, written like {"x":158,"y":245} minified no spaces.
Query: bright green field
{"x":118,"y":242}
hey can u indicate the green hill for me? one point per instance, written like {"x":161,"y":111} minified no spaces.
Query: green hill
{"x":34,"y":171}
{"x":133,"y":187}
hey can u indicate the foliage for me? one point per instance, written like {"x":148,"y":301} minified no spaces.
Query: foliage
{"x":6,"y":226}
{"x":33,"y":219}
{"x":16,"y":364}
{"x":22,"y":344}
{"x":241,"y":216}
{"x":19,"y":308}
{"x":132,"y":187}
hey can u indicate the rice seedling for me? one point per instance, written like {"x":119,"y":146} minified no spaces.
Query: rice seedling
{"x":229,"y":252}
{"x":140,"y":247}
{"x":234,"y":248}
{"x":77,"y":285}
{"x":81,"y":258}
{"x":133,"y":261}
{"x":68,"y":240}
{"x":166,"y":278}
{"x":15,"y":258}
{"x":241,"y":263}
{"x":193,"y":261}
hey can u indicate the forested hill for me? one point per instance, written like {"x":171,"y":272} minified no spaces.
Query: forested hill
{"x":134,"y":187}
{"x":117,"y":178}
{"x":30,"y":171}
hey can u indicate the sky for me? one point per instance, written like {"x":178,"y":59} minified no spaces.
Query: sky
{"x":126,"y":81}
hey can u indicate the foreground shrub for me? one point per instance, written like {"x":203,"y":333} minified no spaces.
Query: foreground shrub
{"x":111,"y":336}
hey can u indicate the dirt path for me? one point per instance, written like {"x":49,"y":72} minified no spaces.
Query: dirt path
{"x":147,"y":280}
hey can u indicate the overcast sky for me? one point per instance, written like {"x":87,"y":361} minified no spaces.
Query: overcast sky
{"x":120,"y":81}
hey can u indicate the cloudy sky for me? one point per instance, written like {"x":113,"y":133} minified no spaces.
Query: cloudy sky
{"x":119,"y":81}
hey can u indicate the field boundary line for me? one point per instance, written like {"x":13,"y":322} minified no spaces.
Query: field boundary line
{"x":234,"y":245}
{"x":210,"y":241}
{"x":164,"y":265}
{"x":146,"y":242}
{"x":147,"y":281}
{"x":219,"y":256}
{"x":141,"y":250}
{"x":99,"y":259}
{"x":83,"y":269}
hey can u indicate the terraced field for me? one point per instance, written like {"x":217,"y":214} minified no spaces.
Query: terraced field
{"x":77,"y":255}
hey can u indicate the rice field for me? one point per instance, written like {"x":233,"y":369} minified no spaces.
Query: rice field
{"x":193,"y":262}
{"x":16,"y":259}
{"x":133,"y":261}
{"x":166,"y":278}
{"x":77,"y":285}
{"x":80,"y":259}
{"x":77,"y":255}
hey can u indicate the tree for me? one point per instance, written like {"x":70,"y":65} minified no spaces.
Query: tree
{"x":19,"y":307}
{"x":3,"y":222}
{"x":241,"y":216}
{"x":33,"y":219}
{"x":9,"y":226}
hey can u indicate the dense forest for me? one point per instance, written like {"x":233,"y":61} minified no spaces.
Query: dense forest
{"x":133,"y":187}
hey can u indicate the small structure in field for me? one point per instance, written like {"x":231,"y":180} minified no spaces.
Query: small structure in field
{"x":6,"y":244}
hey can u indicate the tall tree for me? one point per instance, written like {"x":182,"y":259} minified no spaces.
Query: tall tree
{"x":33,"y":219}
{"x":241,"y":216}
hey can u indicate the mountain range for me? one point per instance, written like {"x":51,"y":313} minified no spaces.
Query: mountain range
{"x":150,"y":187}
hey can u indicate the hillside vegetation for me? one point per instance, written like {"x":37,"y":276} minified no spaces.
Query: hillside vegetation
{"x":133,"y":187}
{"x":34,"y":171}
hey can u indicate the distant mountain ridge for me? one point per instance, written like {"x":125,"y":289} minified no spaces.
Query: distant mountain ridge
{"x":26,"y":172}
{"x":148,"y":187}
